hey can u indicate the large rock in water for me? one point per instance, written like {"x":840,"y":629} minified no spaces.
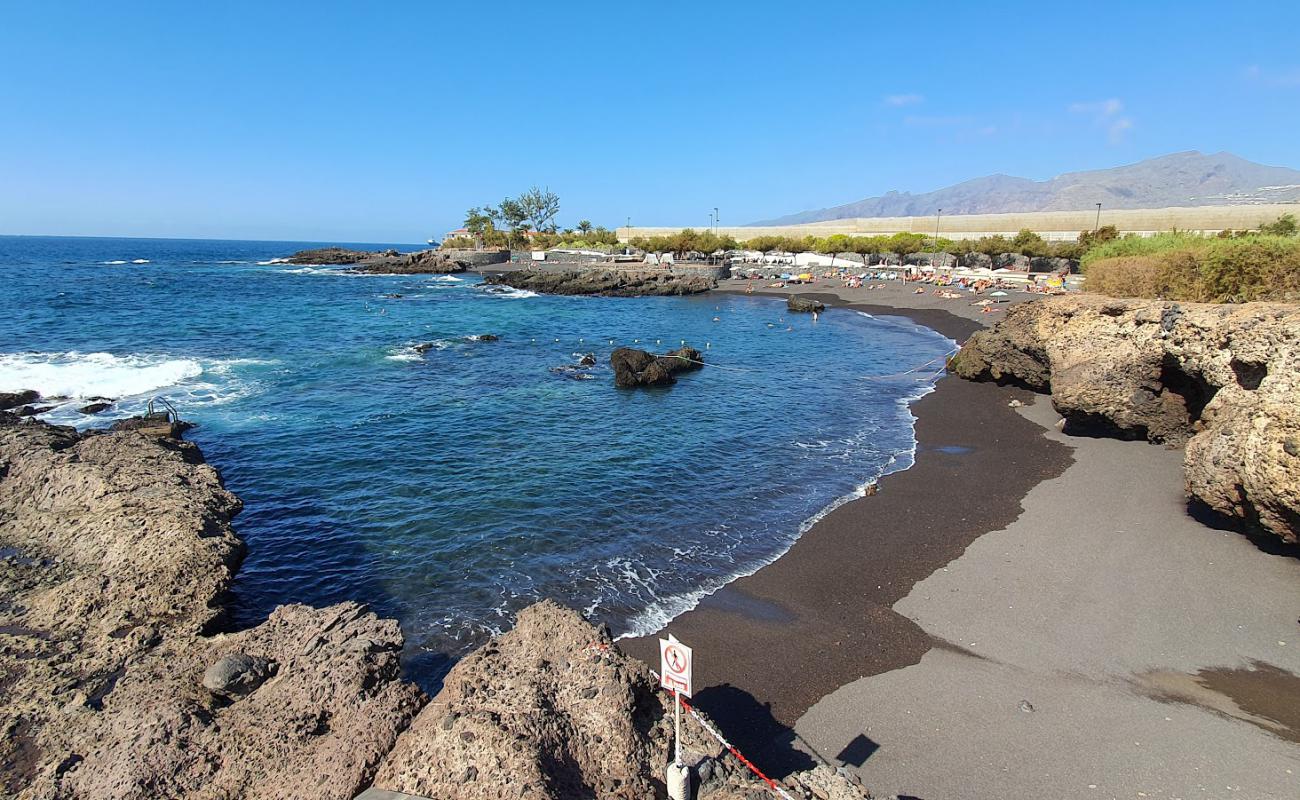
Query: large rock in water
{"x":634,"y":368}
{"x":1222,"y":379}
{"x":552,"y":710}
{"x":804,"y":305}
{"x":119,"y":554}
{"x":605,"y":282}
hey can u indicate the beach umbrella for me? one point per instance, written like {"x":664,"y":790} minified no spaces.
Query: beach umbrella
{"x":998,"y":293}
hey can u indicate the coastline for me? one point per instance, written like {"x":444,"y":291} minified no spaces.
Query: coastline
{"x":771,"y":644}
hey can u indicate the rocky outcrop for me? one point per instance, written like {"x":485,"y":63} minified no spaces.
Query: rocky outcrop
{"x":117,"y":555}
{"x":423,"y":262}
{"x":804,"y":305}
{"x":605,"y":282}
{"x":116,"y":552}
{"x":386,"y":261}
{"x":634,"y":368}
{"x":552,"y":710}
{"x":335,"y":255}
{"x":10,"y":400}
{"x":1223,"y":380}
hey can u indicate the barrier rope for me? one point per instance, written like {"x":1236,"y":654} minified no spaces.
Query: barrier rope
{"x":771,"y":784}
{"x":943,"y":358}
{"x":731,"y":748}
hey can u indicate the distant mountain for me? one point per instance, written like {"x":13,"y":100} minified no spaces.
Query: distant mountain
{"x":1180,"y":179}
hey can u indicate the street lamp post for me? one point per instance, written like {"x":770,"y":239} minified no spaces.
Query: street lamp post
{"x":935,"y":254}
{"x":717,"y":222}
{"x":1097,"y":226}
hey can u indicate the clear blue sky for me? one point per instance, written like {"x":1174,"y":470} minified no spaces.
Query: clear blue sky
{"x":385,"y":121}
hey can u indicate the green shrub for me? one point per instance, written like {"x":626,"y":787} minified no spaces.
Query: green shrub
{"x":1181,"y":266}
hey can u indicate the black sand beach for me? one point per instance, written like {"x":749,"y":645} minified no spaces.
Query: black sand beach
{"x":770,"y":645}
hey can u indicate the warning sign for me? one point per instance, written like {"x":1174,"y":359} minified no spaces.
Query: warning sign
{"x":675,"y":665}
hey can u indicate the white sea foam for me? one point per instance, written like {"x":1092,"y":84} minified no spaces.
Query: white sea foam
{"x":447,"y":279}
{"x":140,"y":261}
{"x":509,"y":292}
{"x":112,"y":263}
{"x":79,"y":375}
{"x":130,"y":380}
{"x":274,"y":261}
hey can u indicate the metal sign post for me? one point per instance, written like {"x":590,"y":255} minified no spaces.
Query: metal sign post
{"x":675,"y":668}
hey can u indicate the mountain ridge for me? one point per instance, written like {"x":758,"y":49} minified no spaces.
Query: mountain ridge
{"x":1188,"y":178}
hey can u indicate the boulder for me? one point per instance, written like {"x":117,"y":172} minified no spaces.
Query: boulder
{"x":15,"y":399}
{"x":634,"y":367}
{"x":484,"y":337}
{"x":237,"y":675}
{"x":1220,"y":379}
{"x":128,"y":557}
{"x":975,"y":260}
{"x":96,"y":407}
{"x":552,"y":710}
{"x":804,"y":305}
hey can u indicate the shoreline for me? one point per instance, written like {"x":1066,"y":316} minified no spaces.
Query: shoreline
{"x":771,"y":644}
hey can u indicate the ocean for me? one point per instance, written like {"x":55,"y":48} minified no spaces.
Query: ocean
{"x":387,"y":455}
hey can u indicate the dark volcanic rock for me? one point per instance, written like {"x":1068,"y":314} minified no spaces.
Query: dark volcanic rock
{"x":387,"y":261}
{"x":638,"y":368}
{"x":605,"y":282}
{"x":422,"y":262}
{"x":96,"y":407}
{"x":16,"y":399}
{"x":485,"y":337}
{"x":238,"y":674}
{"x":332,"y":255}
{"x":803,"y":304}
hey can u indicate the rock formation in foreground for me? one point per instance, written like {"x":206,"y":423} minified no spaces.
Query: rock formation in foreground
{"x":634,"y":368}
{"x":553,"y":710}
{"x":605,"y":282}
{"x":116,"y":552}
{"x":1223,"y":380}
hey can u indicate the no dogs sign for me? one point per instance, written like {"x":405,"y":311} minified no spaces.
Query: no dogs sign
{"x":675,"y":665}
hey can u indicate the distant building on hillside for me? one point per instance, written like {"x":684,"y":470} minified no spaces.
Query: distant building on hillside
{"x":459,"y":233}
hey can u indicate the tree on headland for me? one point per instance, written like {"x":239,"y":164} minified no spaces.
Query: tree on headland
{"x":539,"y":208}
{"x":584,"y":226}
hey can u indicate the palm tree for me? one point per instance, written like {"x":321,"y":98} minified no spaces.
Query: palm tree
{"x":584,"y":226}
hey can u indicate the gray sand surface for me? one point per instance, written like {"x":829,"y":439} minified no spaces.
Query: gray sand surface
{"x":1103,"y":596}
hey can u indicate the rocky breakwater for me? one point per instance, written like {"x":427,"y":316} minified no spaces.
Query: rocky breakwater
{"x":634,"y":368}
{"x":421,"y":262}
{"x":605,"y":282}
{"x":116,"y":553}
{"x":1221,"y":380}
{"x":553,"y":710}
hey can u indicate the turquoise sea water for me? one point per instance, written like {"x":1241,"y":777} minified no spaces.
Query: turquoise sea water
{"x":450,"y":488}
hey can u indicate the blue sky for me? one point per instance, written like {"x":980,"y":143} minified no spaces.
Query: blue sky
{"x":385,"y":121}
